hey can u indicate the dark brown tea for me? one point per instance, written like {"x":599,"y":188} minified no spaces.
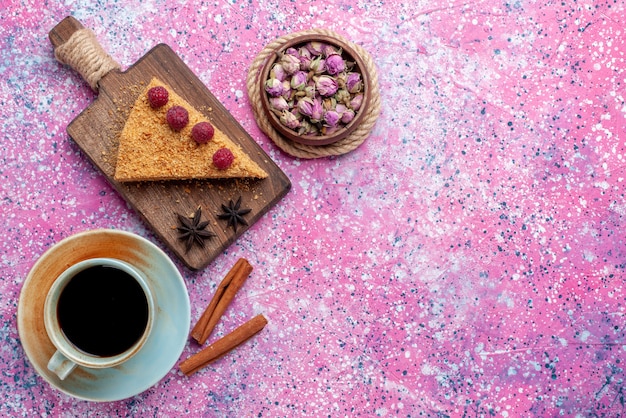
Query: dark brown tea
{"x":103,"y":311}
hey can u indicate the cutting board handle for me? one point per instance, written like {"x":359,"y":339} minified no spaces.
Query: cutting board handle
{"x":77,"y":47}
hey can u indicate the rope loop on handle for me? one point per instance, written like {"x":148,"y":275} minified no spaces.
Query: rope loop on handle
{"x":83,"y":53}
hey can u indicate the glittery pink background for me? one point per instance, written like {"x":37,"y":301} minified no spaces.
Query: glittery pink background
{"x":467,"y":260}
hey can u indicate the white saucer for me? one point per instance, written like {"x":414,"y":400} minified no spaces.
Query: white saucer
{"x":163,"y":347}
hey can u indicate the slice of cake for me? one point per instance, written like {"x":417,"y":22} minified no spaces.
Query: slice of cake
{"x":165,"y":138}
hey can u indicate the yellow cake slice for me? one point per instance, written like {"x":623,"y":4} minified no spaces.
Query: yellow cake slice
{"x":149,"y":149}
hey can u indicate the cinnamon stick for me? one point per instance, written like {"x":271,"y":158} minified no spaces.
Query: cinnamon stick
{"x":222,"y":346}
{"x":224,"y":294}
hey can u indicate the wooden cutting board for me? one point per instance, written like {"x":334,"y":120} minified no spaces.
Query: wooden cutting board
{"x":96,"y":132}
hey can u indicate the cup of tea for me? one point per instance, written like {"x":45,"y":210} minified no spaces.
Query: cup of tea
{"x":98,"y":313}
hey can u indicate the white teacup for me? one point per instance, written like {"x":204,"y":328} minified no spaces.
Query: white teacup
{"x":98,"y":314}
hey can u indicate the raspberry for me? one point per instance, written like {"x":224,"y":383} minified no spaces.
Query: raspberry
{"x":202,"y":132}
{"x":223,"y":158}
{"x":158,"y":96}
{"x":177,"y":117}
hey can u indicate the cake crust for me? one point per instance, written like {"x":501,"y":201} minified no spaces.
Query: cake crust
{"x":149,"y":150}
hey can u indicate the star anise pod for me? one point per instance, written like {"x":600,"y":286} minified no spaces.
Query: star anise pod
{"x":192,"y":230}
{"x":234,"y":214}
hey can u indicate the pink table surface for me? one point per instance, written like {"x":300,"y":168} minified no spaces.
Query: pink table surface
{"x":467,"y":260}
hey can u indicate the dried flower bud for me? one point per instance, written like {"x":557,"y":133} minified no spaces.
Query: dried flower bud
{"x":310,"y":90}
{"x":331,"y":118}
{"x":354,"y":83}
{"x":329,"y":130}
{"x":274,"y":87}
{"x":292,"y":51}
{"x":304,"y":52}
{"x":330,"y":50}
{"x":305,"y":106}
{"x":335,"y":64}
{"x":305,"y":63}
{"x":278,"y":72}
{"x":356,"y":102}
{"x":329,"y":103}
{"x":287,"y":92}
{"x":299,"y":80}
{"x":317,"y":110}
{"x":326,"y":85}
{"x":289,"y":120}
{"x":307,"y":128}
{"x":291,"y":63}
{"x":318,"y":65}
{"x":311,"y":108}
{"x":279,"y":103}
{"x":347,"y":116}
{"x":341,"y":79}
{"x":343,"y":96}
{"x":315,"y":48}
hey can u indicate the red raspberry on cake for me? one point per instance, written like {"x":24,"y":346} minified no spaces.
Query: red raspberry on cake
{"x":158,"y":97}
{"x":223,"y":158}
{"x":202,"y":132}
{"x":177,"y":117}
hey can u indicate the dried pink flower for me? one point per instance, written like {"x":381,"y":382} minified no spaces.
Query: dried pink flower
{"x":290,"y":63}
{"x":354,"y":83}
{"x":356,"y":102}
{"x":299,"y":80}
{"x":347,"y":116}
{"x":290,"y":120}
{"x":279,"y":103}
{"x":335,"y":64}
{"x":326,"y":85}
{"x":311,"y":108}
{"x":315,"y":48}
{"x":331,"y":118}
{"x":329,"y":50}
{"x":278,"y":72}
{"x":318,"y":65}
{"x":274,"y":87}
